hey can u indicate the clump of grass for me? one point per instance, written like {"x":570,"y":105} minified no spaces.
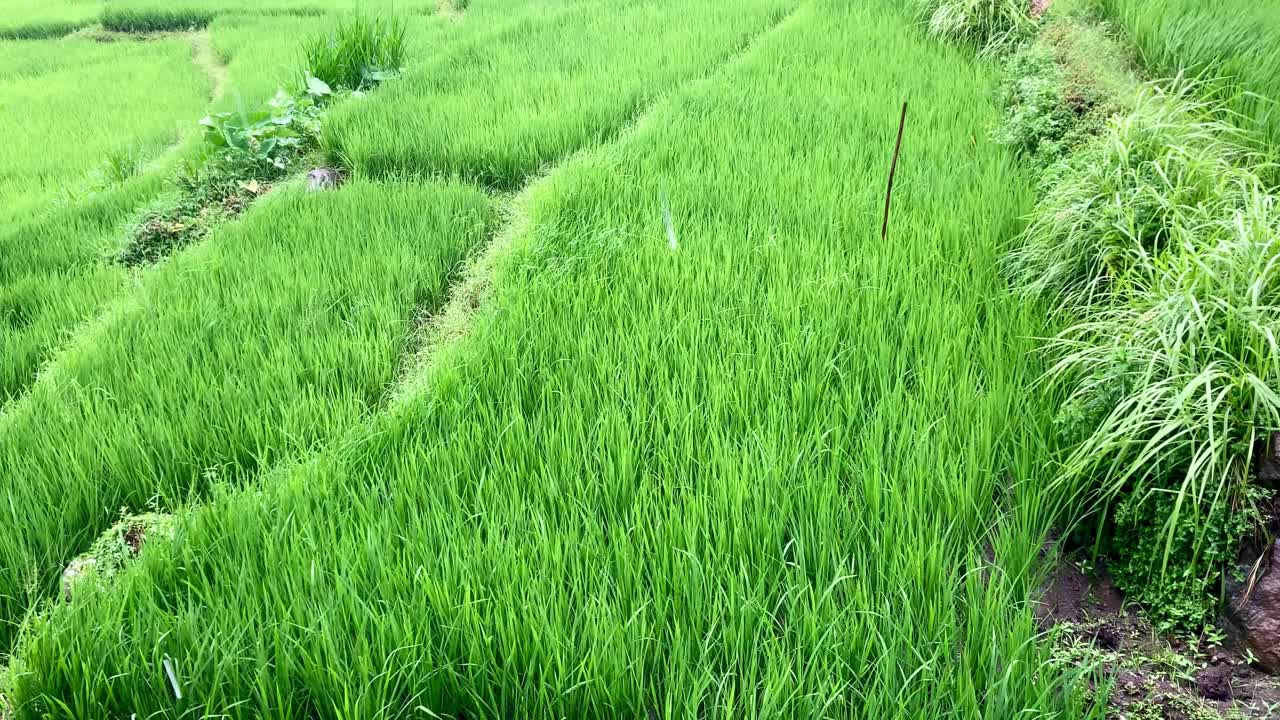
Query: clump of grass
{"x":1189,"y":365}
{"x":992,"y":25}
{"x":1111,"y":210}
{"x":358,"y":53}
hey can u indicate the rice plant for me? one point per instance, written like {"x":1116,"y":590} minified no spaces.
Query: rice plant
{"x":59,"y":123}
{"x":754,"y":475}
{"x":283,"y":330}
{"x":147,"y":16}
{"x":498,"y":110}
{"x":40,"y":19}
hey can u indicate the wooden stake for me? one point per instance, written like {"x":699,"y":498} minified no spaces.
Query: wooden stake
{"x":893,"y":169}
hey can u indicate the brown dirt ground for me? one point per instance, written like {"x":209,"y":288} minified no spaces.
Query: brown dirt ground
{"x":1155,"y":676}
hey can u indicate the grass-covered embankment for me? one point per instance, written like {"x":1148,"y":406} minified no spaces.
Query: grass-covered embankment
{"x":1156,"y":241}
{"x":753,"y":470}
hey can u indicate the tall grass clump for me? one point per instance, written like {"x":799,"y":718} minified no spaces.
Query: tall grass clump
{"x":1154,"y":242}
{"x":1113,"y":208}
{"x":358,"y":53}
{"x":990,"y":25}
{"x":1175,"y":386}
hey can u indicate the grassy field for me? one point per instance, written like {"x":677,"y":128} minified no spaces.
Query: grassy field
{"x":592,"y":390}
{"x":740,"y":464}
{"x":1230,"y":43}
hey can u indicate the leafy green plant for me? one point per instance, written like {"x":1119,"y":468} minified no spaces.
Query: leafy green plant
{"x":358,"y":53}
{"x":267,"y":140}
{"x":243,"y":153}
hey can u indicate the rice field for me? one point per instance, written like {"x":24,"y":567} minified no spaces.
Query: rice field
{"x":590,"y":387}
{"x":52,"y":98}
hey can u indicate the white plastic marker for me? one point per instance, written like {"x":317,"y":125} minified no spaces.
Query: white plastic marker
{"x":173,"y":676}
{"x":666,"y":219}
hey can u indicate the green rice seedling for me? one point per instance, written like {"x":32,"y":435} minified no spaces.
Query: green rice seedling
{"x":498,"y":110}
{"x":1112,"y":209}
{"x":1229,"y":44}
{"x":1189,"y":368}
{"x":283,"y":330}
{"x":61,"y":125}
{"x":358,"y":53}
{"x":781,"y":469}
{"x":991,"y":25}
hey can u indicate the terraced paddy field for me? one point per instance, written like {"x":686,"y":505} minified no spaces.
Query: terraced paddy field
{"x":574,"y":358}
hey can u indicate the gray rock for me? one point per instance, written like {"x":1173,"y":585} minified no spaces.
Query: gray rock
{"x":77,"y":571}
{"x":1254,"y":610}
{"x":323,"y":179}
{"x":1269,"y":461}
